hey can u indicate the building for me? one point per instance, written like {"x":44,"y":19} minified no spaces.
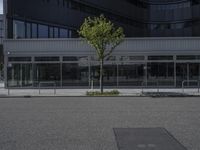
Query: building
{"x":162,"y":47}
{"x":1,"y":46}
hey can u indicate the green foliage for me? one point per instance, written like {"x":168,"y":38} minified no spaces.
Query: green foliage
{"x":102,"y":35}
{"x":108,"y":93}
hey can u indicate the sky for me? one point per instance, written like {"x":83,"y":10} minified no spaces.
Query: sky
{"x":1,"y":6}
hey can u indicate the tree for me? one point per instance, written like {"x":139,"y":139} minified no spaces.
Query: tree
{"x":103,"y":36}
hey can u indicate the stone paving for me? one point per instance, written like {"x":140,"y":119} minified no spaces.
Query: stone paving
{"x":87,"y":123}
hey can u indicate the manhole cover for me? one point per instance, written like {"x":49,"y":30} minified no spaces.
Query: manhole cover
{"x":146,"y":139}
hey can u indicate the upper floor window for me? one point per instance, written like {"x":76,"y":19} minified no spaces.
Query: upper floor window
{"x":23,"y":29}
{"x":63,"y":33}
{"x":18,"y":29}
{"x":42,"y":31}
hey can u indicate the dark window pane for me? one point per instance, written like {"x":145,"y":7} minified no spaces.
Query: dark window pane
{"x":74,"y":33}
{"x":70,"y":33}
{"x":19,"y":58}
{"x":28,"y":30}
{"x":51,"y":32}
{"x":34,"y":30}
{"x":188,"y":57}
{"x":74,"y":58}
{"x":18,"y":29}
{"x":63,"y":33}
{"x":133,"y":58}
{"x":70,"y":58}
{"x":160,"y":58}
{"x":42,"y":31}
{"x":56,"y":33}
{"x":47,"y":59}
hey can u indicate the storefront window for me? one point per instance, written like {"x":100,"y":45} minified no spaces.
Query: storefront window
{"x":75,"y":74}
{"x":161,"y":74}
{"x":131,"y":74}
{"x":47,"y":74}
{"x":20,"y":75}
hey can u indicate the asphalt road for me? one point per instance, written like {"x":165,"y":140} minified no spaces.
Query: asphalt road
{"x":87,"y":123}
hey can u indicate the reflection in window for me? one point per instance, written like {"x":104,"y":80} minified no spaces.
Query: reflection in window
{"x":34,"y":30}
{"x":63,"y":33}
{"x":160,"y":57}
{"x":131,"y":58}
{"x":18,"y":29}
{"x":47,"y":58}
{"x":18,"y":59}
{"x":42,"y":31}
{"x":188,"y":57}
{"x":51,"y":32}
{"x":56,"y":32}
{"x":28,"y":30}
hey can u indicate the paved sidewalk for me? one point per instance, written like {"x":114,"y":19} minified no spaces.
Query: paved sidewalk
{"x":82,"y":92}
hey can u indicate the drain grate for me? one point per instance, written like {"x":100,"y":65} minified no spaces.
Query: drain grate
{"x":146,"y":139}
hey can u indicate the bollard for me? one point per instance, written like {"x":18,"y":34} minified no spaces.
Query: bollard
{"x":92,"y":84}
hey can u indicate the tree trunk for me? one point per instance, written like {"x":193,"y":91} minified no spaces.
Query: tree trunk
{"x":101,"y":75}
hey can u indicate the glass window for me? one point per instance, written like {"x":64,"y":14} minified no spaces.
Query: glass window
{"x":188,"y":57}
{"x":51,"y":32}
{"x":19,"y":58}
{"x":47,"y":59}
{"x":160,"y":57}
{"x":18,"y":29}
{"x":133,"y":58}
{"x":111,"y":58}
{"x":70,"y":33}
{"x":74,"y":33}
{"x":28,"y":30}
{"x":63,"y":33}
{"x":34,"y":30}
{"x":56,"y":33}
{"x":42,"y":31}
{"x":74,"y":58}
{"x":70,"y":58}
{"x":46,"y":74}
{"x":75,"y":74}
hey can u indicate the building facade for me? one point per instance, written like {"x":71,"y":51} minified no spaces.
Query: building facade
{"x":162,"y":47}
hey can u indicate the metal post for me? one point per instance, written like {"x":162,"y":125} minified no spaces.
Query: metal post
{"x":8,"y":91}
{"x":39,"y":87}
{"x":175,"y":78}
{"x":183,"y":86}
{"x":92,"y":84}
{"x":142,"y":87}
{"x":55,"y":88}
{"x":117,"y":74}
{"x":158,"y":87}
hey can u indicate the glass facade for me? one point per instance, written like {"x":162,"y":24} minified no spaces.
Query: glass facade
{"x":73,"y":71}
{"x":22,"y":30}
{"x":18,"y":29}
